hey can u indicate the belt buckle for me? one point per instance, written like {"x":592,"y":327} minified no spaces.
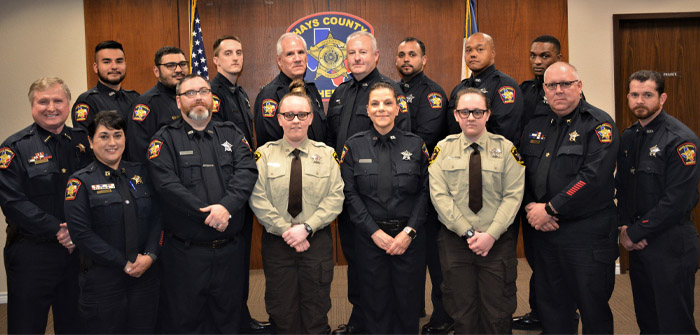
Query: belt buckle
{"x":216,"y":244}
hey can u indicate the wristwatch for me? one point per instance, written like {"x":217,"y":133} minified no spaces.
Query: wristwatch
{"x":308,"y":229}
{"x":153,"y":256}
{"x":548,"y":208}
{"x":411,"y":233}
{"x":469,"y":234}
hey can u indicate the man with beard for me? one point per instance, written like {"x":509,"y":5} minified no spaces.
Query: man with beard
{"x":170,"y":67}
{"x":231,"y":104}
{"x":291,"y":59}
{"x":427,"y":101}
{"x":501,"y":89}
{"x":204,"y":173}
{"x":545,"y":50}
{"x":657,"y":189}
{"x":347,"y":116}
{"x":41,"y":263}
{"x":108,"y":94}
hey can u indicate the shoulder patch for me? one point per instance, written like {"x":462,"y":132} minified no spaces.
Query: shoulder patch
{"x":335,"y":156}
{"x":81,"y":112}
{"x":687,"y":152}
{"x":435,"y":100}
{"x":72,"y":189}
{"x":425,"y":151}
{"x":436,"y":152}
{"x":507,"y":94}
{"x":6,"y":156}
{"x":154,"y":149}
{"x":140,"y":112}
{"x":246,"y":144}
{"x":604,"y":132}
{"x":216,"y":102}
{"x":517,"y":156}
{"x":257,"y":155}
{"x":269,"y":107}
{"x":403,"y":104}
{"x":342,"y":155}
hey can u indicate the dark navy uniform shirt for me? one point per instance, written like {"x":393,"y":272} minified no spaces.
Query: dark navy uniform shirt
{"x":151,"y":111}
{"x":101,"y":98}
{"x":231,"y":104}
{"x":428,"y":104}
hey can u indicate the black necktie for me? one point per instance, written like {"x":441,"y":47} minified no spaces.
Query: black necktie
{"x":639,"y":138}
{"x":475,"y":190}
{"x":347,"y":111}
{"x":131,"y":229}
{"x":384,"y":188}
{"x":294,"y":206}
{"x":545,"y":161}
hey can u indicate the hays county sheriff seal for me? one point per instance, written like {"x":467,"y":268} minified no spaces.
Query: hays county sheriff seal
{"x":325,"y":34}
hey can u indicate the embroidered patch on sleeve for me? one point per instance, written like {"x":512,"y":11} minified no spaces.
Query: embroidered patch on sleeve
{"x":154,"y":149}
{"x":216,"y":102}
{"x":403,"y":104}
{"x":435,"y":100}
{"x":6,"y":155}
{"x":517,"y":156}
{"x":140,"y":112}
{"x":436,"y":152}
{"x":247,"y":144}
{"x":72,"y":189}
{"x":269,"y":107}
{"x":604,"y":132}
{"x":335,"y":156}
{"x":687,"y":153}
{"x":342,"y":155}
{"x":81,"y":112}
{"x":425,"y":151}
{"x":507,"y":94}
{"x":257,"y":155}
{"x":578,"y":186}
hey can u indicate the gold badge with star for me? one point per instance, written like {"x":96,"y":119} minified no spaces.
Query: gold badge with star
{"x":137,"y":179}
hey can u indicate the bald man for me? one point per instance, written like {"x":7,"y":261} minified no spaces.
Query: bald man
{"x":502,"y":90}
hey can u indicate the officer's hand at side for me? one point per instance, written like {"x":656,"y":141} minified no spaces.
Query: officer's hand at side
{"x":138,"y":267}
{"x":400,"y":244}
{"x":627,"y":243}
{"x":481,"y":243}
{"x":538,"y":217}
{"x":303,"y":246}
{"x":63,"y":237}
{"x":218,"y":217}
{"x":382,"y":239}
{"x":295,"y":235}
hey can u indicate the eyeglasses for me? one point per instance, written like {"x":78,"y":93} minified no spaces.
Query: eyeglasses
{"x":301,"y":116}
{"x":476,"y":113}
{"x":564,"y":85}
{"x":173,"y":65}
{"x":193,"y":93}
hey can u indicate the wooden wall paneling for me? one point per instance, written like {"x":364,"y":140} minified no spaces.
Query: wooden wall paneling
{"x":140,"y":26}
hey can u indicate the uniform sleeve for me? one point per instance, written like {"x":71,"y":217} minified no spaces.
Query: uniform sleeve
{"x":445,"y":205}
{"x":82,"y":112}
{"x":163,"y":169}
{"x":155,"y":226}
{"x":80,"y":222}
{"x":681,"y":177}
{"x":403,"y":120}
{"x":333,"y":119}
{"x":420,"y":208}
{"x":267,"y":127}
{"x":359,"y":215}
{"x":245,"y":174}
{"x":260,"y":202}
{"x":452,"y":125}
{"x":593,"y":175}
{"x":332,"y":203}
{"x":16,"y":205}
{"x":431,"y":118}
{"x":506,"y":111}
{"x":513,"y":188}
{"x":139,"y":133}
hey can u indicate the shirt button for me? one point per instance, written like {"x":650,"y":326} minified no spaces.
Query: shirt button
{"x":126,"y":202}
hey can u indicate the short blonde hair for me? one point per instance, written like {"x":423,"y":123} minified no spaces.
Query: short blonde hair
{"x":45,"y":83}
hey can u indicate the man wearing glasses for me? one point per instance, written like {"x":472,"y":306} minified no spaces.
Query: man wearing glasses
{"x":570,"y":157}
{"x":204,"y":172}
{"x":156,"y":107}
{"x":476,"y":184}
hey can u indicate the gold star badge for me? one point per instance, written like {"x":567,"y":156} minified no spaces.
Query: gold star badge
{"x":137,"y":179}
{"x":654,"y":150}
{"x":572,"y":136}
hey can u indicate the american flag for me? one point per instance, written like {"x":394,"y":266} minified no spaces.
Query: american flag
{"x":470,"y":28}
{"x":199,"y":58}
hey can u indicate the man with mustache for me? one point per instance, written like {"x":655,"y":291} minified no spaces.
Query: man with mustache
{"x":501,"y":89}
{"x":657,"y":189}
{"x":428,"y":102}
{"x":156,"y":107}
{"x":108,"y":94}
{"x":204,"y":173}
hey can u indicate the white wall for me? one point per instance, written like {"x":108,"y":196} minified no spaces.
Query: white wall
{"x":38,"y":38}
{"x":591,"y":41}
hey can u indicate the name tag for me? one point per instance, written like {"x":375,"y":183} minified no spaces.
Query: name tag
{"x":273,"y":164}
{"x":454,"y":157}
{"x":207,"y":165}
{"x":186,"y":153}
{"x":100,"y":187}
{"x":365,"y":160}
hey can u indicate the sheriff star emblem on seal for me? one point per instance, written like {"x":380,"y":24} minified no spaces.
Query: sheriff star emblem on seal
{"x":407,"y":155}
{"x":227,"y":146}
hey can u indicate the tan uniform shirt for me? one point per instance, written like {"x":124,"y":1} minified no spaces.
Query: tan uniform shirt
{"x":503,"y":183}
{"x":322,"y":186}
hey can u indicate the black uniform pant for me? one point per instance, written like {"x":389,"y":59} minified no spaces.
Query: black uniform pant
{"x":479,"y":292}
{"x":432,"y":227}
{"x":112,"y":302}
{"x":346,"y":230}
{"x":298,"y":285}
{"x":392,"y":287}
{"x":663,"y":281}
{"x":247,"y":234}
{"x":41,"y":275}
{"x":201,"y":287}
{"x":571,"y":275}
{"x":529,"y":249}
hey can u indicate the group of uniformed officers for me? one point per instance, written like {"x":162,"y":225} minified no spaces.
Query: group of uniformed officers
{"x":159,"y":241}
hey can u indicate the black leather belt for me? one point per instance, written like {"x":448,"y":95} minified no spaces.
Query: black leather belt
{"x":215,"y":244}
{"x":39,"y":239}
{"x":391,"y":225}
